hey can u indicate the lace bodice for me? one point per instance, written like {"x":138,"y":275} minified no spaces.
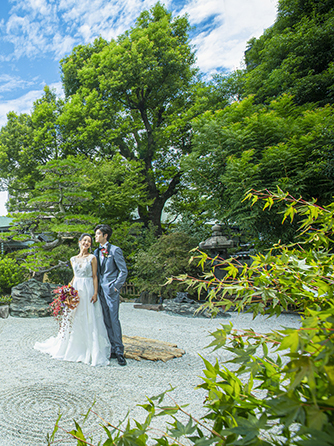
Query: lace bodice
{"x":82,"y":266}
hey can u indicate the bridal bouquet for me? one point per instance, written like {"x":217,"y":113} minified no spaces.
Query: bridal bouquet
{"x":67,"y":299}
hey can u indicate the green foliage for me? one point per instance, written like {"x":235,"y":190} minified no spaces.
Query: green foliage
{"x":298,"y":274}
{"x":47,"y":137}
{"x":15,"y":137}
{"x":131,"y":238}
{"x":5,"y":300}
{"x":133,"y":97}
{"x":114,"y":187}
{"x":28,"y":142}
{"x":52,"y":215}
{"x":168,"y":256}
{"x":273,"y":132}
{"x":11,"y":274}
{"x":298,"y":393}
{"x":197,"y":228}
{"x":62,"y":273}
{"x":295,"y":55}
{"x":79,"y":56}
{"x":73,"y":195}
{"x":249,"y":146}
{"x":228,"y":87}
{"x":129,"y":110}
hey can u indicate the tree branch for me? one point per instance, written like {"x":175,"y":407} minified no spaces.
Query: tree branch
{"x":171,"y":187}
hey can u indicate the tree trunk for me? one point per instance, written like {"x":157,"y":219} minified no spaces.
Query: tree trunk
{"x":154,"y":212}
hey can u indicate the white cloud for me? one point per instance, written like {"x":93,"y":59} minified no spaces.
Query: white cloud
{"x":28,"y":37}
{"x":93,"y":18}
{"x":199,"y":11}
{"x":24,"y":103}
{"x":36,"y":27}
{"x":10,"y":83}
{"x":30,"y":26}
{"x":36,"y":7}
{"x":62,"y":45}
{"x":235,"y":22}
{"x":20,"y":105}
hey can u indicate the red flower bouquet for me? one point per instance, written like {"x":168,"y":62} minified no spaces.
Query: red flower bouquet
{"x":67,"y":300}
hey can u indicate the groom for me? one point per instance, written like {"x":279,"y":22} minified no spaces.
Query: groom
{"x":112,"y":272}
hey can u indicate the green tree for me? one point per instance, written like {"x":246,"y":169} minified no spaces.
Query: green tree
{"x":247,"y":145}
{"x":27,"y":142}
{"x":295,"y":55}
{"x":47,"y":136}
{"x":17,"y":168}
{"x":131,"y":97}
{"x":51,"y":216}
{"x":70,"y":199}
{"x":114,"y":187}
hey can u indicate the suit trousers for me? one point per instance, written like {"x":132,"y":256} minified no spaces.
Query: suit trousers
{"x":110,"y":308}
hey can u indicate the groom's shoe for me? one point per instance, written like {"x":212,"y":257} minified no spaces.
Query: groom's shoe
{"x":113,"y":355}
{"x":121,"y":360}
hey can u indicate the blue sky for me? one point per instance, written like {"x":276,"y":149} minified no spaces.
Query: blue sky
{"x":36,"y":34}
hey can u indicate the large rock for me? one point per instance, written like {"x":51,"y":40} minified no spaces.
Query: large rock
{"x":189,"y":308}
{"x":32,"y":299}
{"x":147,"y":297}
{"x":4,"y":311}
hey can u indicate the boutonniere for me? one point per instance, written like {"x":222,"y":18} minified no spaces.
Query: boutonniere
{"x":104,"y":252}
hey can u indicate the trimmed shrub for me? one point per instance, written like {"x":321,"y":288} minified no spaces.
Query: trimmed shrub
{"x":11,"y":274}
{"x":168,"y":256}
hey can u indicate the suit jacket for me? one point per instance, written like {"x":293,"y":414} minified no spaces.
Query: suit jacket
{"x":112,"y":272}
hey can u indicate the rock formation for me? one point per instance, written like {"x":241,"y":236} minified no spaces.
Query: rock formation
{"x":32,"y":299}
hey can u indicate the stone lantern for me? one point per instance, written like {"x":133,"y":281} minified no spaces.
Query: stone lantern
{"x":217,"y":244}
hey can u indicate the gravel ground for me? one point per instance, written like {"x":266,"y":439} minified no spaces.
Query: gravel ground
{"x":34,"y":388}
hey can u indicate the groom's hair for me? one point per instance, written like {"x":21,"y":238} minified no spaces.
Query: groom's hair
{"x":105,"y":229}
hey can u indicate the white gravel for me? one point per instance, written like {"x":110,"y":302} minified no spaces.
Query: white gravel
{"x":35,"y":388}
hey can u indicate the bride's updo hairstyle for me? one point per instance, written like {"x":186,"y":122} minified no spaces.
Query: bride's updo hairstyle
{"x":88,"y":235}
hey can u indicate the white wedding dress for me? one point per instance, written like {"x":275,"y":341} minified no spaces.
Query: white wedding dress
{"x":85,"y":338}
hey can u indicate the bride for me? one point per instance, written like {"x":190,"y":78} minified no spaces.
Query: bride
{"x":85,"y":339}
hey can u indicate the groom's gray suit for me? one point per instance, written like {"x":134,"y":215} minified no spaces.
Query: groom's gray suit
{"x":112,"y":273}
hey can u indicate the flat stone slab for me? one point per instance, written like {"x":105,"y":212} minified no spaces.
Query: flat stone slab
{"x":138,"y":348}
{"x":154,"y":307}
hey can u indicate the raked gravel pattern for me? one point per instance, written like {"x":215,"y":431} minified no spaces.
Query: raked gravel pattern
{"x":35,"y":388}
